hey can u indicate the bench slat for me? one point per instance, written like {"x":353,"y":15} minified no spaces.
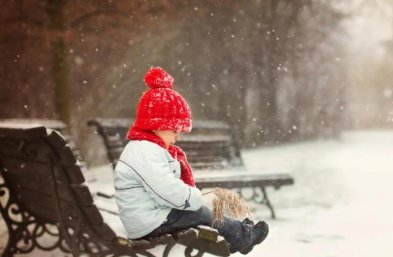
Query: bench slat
{"x":202,"y":146}
{"x":35,"y":151}
{"x":206,"y":159}
{"x":83,"y":194}
{"x":142,"y":244}
{"x":56,"y":139}
{"x":38,"y":204}
{"x":30,"y":196}
{"x":205,"y":139}
{"x":243,"y":180}
{"x":189,"y":238}
{"x":23,"y":166}
{"x":93,"y":215}
{"x":67,"y":156}
{"x":208,"y":233}
{"x":41,"y":185}
{"x":18,"y":130}
{"x":34,"y":177}
{"x":114,"y":142}
{"x":75,"y":174}
{"x":164,"y":239}
{"x":186,"y":236}
{"x":10,"y":148}
{"x":208,"y":166}
{"x":48,"y":215}
{"x":105,"y":232}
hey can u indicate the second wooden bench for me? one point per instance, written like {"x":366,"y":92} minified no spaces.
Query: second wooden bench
{"x":211,"y":152}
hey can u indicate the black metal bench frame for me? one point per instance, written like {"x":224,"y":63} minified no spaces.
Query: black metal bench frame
{"x":43,"y":194}
{"x":113,"y":132}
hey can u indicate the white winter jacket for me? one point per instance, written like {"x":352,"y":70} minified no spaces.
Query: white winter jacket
{"x":147,"y":186}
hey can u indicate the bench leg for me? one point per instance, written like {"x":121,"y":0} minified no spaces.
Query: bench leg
{"x":266,"y":201}
{"x":168,"y":248}
{"x":189,"y":250}
{"x":24,"y":230}
{"x":258,"y":198}
{"x":17,"y":221}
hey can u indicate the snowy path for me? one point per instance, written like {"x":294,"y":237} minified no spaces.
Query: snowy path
{"x":340,"y":204}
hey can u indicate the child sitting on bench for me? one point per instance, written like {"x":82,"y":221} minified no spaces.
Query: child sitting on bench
{"x":155,"y":189}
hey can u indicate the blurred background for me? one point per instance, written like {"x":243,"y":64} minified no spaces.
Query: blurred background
{"x":277,"y":71}
{"x":306,"y":86}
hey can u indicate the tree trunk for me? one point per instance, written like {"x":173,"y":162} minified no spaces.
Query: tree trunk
{"x":269,"y":90}
{"x":59,"y":71}
{"x":60,"y":77}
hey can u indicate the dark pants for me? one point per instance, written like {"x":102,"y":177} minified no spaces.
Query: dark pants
{"x":238,"y":235}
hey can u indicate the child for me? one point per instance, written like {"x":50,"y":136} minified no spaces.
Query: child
{"x":155,"y":189}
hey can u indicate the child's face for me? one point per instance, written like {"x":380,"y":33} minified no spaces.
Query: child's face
{"x":168,"y":136}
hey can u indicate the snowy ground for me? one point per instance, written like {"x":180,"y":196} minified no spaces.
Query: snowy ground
{"x":340,"y":204}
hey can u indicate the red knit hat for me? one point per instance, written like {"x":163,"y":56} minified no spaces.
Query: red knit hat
{"x":162,"y":108}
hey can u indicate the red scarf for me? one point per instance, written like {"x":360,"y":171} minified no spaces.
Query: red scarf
{"x":176,"y":152}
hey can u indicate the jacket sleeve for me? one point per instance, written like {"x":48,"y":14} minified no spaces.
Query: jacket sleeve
{"x":162,"y":185}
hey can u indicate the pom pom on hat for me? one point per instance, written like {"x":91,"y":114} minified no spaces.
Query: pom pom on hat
{"x":158,"y":78}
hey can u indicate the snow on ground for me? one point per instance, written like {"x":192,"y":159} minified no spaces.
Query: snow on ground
{"x":340,"y":204}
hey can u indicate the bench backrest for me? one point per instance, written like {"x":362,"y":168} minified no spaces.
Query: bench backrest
{"x":61,"y":127}
{"x":43,"y":178}
{"x":210,"y":145}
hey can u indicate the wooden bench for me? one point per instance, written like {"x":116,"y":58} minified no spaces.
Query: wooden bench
{"x":43,"y":194}
{"x":62,"y":128}
{"x":211,"y":152}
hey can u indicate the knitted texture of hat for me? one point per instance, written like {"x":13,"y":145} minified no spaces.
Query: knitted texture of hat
{"x":162,"y":108}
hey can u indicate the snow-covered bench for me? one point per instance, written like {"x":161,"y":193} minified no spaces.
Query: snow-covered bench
{"x":211,"y":152}
{"x":62,"y":128}
{"x":47,"y":204}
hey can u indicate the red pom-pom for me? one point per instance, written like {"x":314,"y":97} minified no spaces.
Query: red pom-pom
{"x":158,"y":78}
